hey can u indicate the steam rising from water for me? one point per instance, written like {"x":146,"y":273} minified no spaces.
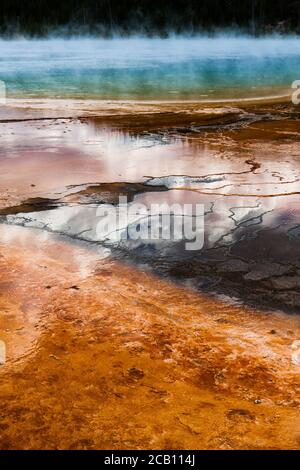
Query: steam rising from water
{"x":173,"y":68}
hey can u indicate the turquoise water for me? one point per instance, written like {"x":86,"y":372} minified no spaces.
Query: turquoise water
{"x":175,"y":68}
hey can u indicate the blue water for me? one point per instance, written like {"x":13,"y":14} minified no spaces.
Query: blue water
{"x":175,"y":68}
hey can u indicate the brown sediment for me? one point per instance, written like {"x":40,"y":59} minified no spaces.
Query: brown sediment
{"x":129,"y":361}
{"x":105,"y":354}
{"x":30,"y":205}
{"x":108,"y":193}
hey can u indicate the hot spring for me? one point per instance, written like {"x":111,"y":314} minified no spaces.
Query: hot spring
{"x":150,"y":69}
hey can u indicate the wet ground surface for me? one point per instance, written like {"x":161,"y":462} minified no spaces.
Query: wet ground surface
{"x":95,"y":342}
{"x":103,"y":356}
{"x":242,"y":165}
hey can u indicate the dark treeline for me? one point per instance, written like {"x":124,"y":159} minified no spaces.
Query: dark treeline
{"x":151,"y":17}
